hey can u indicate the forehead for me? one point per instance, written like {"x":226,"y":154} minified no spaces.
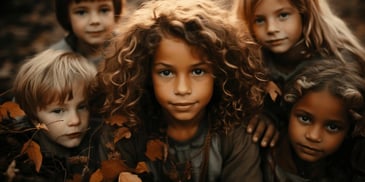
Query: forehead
{"x":272,"y":5}
{"x":322,"y":104}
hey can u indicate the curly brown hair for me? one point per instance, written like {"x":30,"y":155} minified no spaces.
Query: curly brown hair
{"x":126,"y":78}
{"x":340,"y":79}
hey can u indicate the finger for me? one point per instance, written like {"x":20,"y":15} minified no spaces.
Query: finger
{"x":275,"y":139}
{"x":252,"y":124}
{"x":260,"y":128}
{"x":269,"y":134}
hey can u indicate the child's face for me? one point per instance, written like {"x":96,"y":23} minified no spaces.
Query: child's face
{"x":182,"y":81}
{"x":67,"y":123}
{"x":317,"y":125}
{"x":277,"y":25}
{"x":92,"y":21}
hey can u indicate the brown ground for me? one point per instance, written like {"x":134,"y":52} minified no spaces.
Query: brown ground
{"x":29,"y":26}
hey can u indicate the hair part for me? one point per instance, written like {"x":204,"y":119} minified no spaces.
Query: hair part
{"x":50,"y":76}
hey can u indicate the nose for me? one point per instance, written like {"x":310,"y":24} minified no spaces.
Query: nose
{"x":94,"y":18}
{"x":183,"y":85}
{"x":314,"y":134}
{"x":74,"y":119}
{"x":272,"y":26}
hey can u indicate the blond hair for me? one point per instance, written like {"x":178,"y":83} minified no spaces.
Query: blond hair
{"x":49,"y":77}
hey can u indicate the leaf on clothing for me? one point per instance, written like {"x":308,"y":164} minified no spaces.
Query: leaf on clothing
{"x":40,"y":126}
{"x":97,"y":176}
{"x":75,"y":178}
{"x":141,"y":168}
{"x":128,"y":177}
{"x":110,"y":169}
{"x":155,"y":149}
{"x":120,"y":133}
{"x":116,"y":120}
{"x":273,"y":90}
{"x":33,"y":150}
{"x":10,"y":110}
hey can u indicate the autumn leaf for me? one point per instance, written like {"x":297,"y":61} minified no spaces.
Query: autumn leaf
{"x":40,"y":126}
{"x":10,"y":110}
{"x":75,"y":178}
{"x":141,"y":168}
{"x":155,"y":149}
{"x":273,"y":90}
{"x":128,"y":177}
{"x":110,"y":169}
{"x":121,"y":133}
{"x":97,"y":176}
{"x":116,"y":120}
{"x":33,"y":151}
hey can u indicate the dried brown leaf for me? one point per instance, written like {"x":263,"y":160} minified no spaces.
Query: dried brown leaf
{"x":10,"y":110}
{"x":155,"y":149}
{"x":33,"y":150}
{"x":110,"y":169}
{"x":141,"y":168}
{"x":97,"y":176}
{"x":116,"y":120}
{"x":121,"y":133}
{"x":273,"y":90}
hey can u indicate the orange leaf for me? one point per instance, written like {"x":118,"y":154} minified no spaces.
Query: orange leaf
{"x":33,"y":151}
{"x":97,"y":176}
{"x":141,"y":167}
{"x":116,"y":120}
{"x":75,"y":178}
{"x":40,"y":126}
{"x":273,"y":90}
{"x":110,"y":169}
{"x":10,"y":110}
{"x":121,"y":133}
{"x":155,"y":149}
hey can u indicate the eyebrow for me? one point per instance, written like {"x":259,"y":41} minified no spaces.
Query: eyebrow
{"x":168,"y":65}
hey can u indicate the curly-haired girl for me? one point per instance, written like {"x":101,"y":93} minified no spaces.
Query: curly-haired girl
{"x":325,"y":103}
{"x":183,"y":72}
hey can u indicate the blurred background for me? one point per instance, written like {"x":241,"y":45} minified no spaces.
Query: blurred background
{"x":29,"y":26}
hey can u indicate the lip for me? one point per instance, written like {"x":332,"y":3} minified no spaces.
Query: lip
{"x":275,"y":42}
{"x":74,"y":135}
{"x":94,"y":32}
{"x":183,"y":106}
{"x":309,"y":150}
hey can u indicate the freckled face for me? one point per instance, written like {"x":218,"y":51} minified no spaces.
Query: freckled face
{"x":182,"y":81}
{"x":277,"y":25}
{"x":318,"y":125}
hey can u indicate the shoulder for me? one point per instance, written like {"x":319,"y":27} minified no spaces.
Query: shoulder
{"x":61,"y":45}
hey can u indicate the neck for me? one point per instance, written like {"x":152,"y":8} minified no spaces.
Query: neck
{"x":184,"y":130}
{"x":89,"y":51}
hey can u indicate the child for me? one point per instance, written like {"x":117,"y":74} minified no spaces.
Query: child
{"x":326,"y":102}
{"x":182,"y":72}
{"x":89,"y":25}
{"x":52,"y":89}
{"x":293,"y":32}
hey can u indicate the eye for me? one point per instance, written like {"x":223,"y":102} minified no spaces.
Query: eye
{"x":105,"y":10}
{"x":333,"y":127}
{"x":165,"y":73}
{"x":58,"y":110}
{"x":80,"y":12}
{"x":304,"y":119}
{"x":259,"y":21}
{"x":82,"y":107}
{"x":198,"y":72}
{"x":284,"y":15}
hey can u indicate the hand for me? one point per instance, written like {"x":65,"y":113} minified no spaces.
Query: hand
{"x":128,"y":177}
{"x":260,"y":124}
